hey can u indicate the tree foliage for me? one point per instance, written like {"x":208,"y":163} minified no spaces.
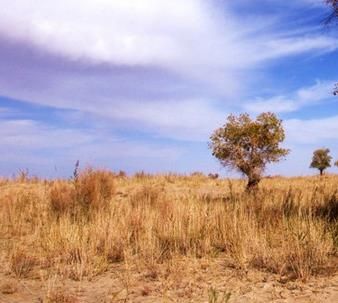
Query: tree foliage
{"x":249,"y":145}
{"x":334,"y":12}
{"x":333,"y":17}
{"x":321,"y":159}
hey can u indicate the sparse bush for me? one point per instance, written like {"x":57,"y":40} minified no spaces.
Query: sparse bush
{"x":115,"y":253}
{"x":60,"y":296}
{"x":76,"y":171}
{"x":216,"y":296}
{"x":91,"y":190}
{"x":62,"y":198}
{"x":21,"y":264}
{"x":141,"y":175}
{"x":213,"y":176}
{"x":8,"y":287}
{"x":121,"y":174}
{"x":328,"y":210}
{"x":197,"y":174}
{"x":147,"y":194}
{"x":303,"y":250}
{"x":23,"y":176}
{"x":94,"y":189}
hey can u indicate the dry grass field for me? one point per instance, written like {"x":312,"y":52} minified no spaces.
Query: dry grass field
{"x":167,"y":238}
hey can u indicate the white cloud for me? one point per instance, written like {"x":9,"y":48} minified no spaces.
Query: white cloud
{"x":33,"y":135}
{"x":179,"y":35}
{"x":303,"y":97}
{"x":117,"y":31}
{"x":208,"y":49}
{"x":39,"y":146}
{"x":190,"y":120}
{"x":312,"y":131}
{"x":297,"y":45}
{"x":154,"y":66}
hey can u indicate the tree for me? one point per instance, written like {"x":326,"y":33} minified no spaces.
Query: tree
{"x":334,"y":12}
{"x":321,"y":159}
{"x":332,"y":18}
{"x":336,"y":163}
{"x":248,"y":145}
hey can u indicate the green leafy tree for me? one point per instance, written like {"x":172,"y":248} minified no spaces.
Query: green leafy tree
{"x":321,"y":159}
{"x":248,"y":145}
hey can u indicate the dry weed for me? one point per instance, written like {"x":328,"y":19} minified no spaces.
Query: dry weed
{"x":8,"y":287}
{"x":62,"y":198}
{"x":288,"y":227}
{"x":60,"y":296}
{"x":21,"y":263}
{"x":94,"y":189}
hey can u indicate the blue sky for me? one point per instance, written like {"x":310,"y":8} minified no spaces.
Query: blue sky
{"x":141,"y":85}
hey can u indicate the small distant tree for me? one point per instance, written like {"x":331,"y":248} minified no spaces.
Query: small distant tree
{"x":248,"y":145}
{"x":336,"y":163}
{"x":321,"y":159}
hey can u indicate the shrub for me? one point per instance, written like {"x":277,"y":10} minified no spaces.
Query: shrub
{"x":141,"y":175}
{"x":146,"y":195}
{"x":213,"y":176}
{"x":21,"y":263}
{"x":22,"y":176}
{"x":121,"y":174}
{"x":9,"y":287}
{"x":197,"y":174}
{"x":94,"y":188}
{"x":62,"y":198}
{"x":60,"y":296}
{"x":329,"y":209}
{"x":90,"y":190}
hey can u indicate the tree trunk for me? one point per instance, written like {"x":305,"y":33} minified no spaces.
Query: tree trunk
{"x":252,"y":183}
{"x":321,"y":172}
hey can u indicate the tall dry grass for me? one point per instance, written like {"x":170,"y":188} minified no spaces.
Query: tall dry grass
{"x":79,"y":228}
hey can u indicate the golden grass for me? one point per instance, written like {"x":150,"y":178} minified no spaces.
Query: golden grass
{"x":60,"y":296}
{"x":79,"y":228}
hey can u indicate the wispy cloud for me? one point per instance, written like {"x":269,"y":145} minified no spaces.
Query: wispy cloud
{"x":303,"y":97}
{"x":166,"y":69}
{"x":174,"y":35}
{"x":313,"y":131}
{"x":28,"y":143}
{"x":164,"y":66}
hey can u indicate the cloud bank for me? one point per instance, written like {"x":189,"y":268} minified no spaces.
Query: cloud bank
{"x":170,"y":70}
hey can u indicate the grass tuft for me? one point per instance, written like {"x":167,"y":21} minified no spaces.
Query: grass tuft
{"x":79,"y":228}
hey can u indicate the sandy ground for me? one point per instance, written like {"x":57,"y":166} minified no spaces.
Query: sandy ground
{"x":179,"y":281}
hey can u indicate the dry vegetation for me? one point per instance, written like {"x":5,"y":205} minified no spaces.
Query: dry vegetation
{"x":156,"y":228}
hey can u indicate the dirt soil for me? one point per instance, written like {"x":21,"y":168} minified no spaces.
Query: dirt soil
{"x":179,"y":281}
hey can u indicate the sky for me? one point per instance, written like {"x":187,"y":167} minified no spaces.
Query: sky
{"x":141,"y":85}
